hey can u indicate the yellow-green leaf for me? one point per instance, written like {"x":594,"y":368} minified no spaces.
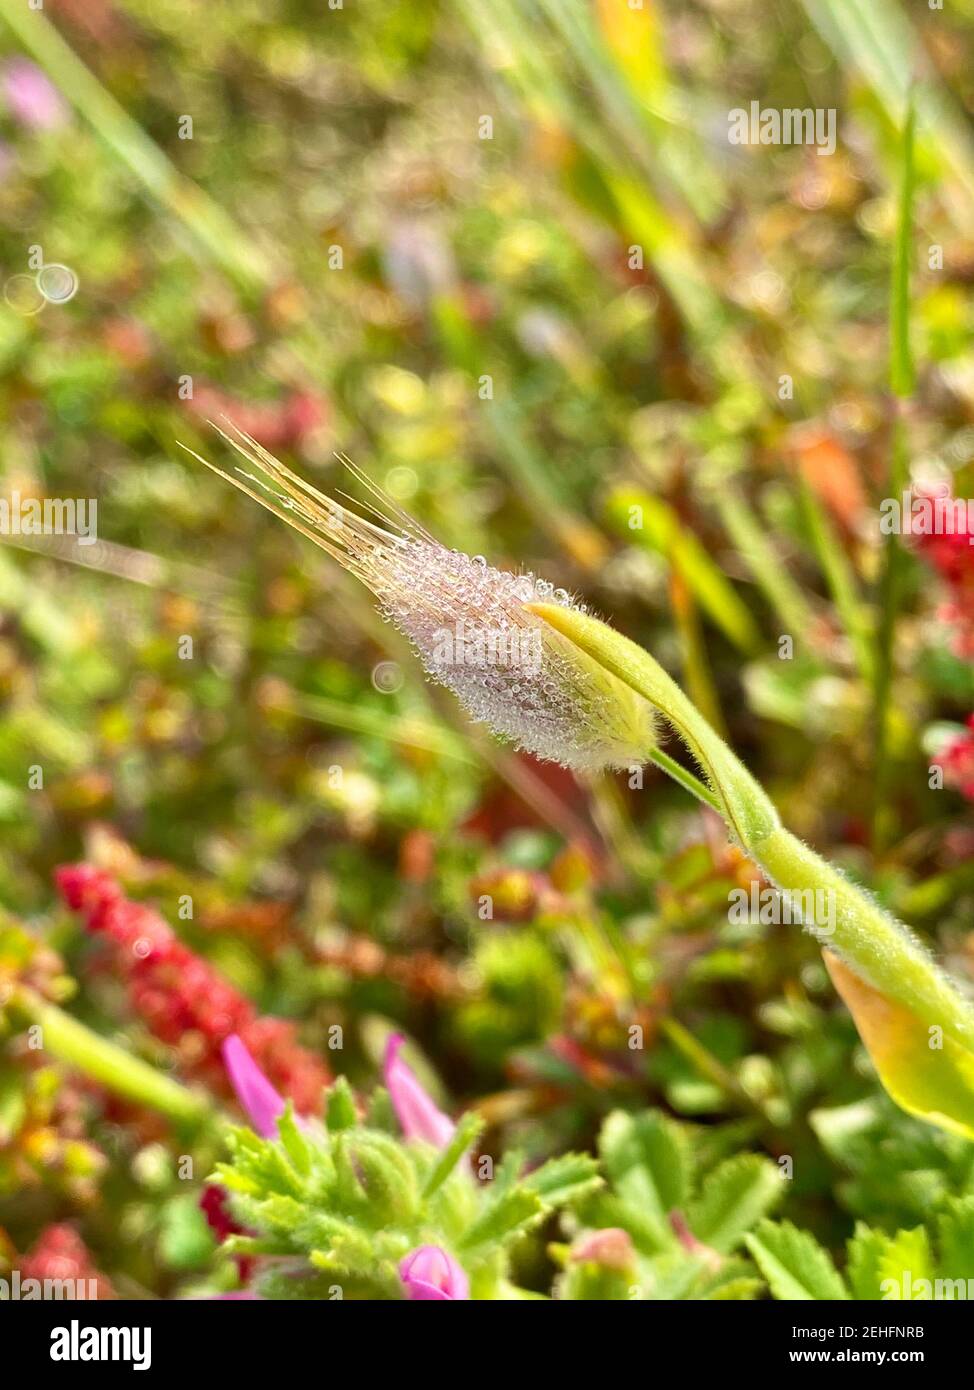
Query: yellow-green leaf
{"x":931,"y":1076}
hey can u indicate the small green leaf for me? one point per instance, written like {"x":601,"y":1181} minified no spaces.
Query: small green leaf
{"x":468,"y":1128}
{"x":907,"y":1264}
{"x":514,"y":1211}
{"x":647,"y":1157}
{"x":340,"y":1106}
{"x":736,"y":1195}
{"x":955,"y":1232}
{"x":294,"y":1142}
{"x":564,"y":1179}
{"x":865,"y":1250}
{"x":795,"y":1265}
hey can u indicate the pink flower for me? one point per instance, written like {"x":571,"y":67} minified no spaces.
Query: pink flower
{"x":430,"y":1273}
{"x":32,"y":99}
{"x":264,"y":1105}
{"x":415,"y":1110}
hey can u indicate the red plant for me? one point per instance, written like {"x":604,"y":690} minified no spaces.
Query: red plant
{"x":952,"y":556}
{"x":60,"y":1253}
{"x":957,"y":760}
{"x":182,"y":999}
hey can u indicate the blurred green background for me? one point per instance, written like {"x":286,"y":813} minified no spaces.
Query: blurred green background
{"x":506,"y":257}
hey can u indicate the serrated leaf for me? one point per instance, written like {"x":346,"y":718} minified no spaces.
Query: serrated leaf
{"x":737,"y":1194}
{"x":905,"y":1265}
{"x":648,"y":1161}
{"x":263,"y":1162}
{"x":865,"y":1250}
{"x":669,"y":1277}
{"x":511,"y":1213}
{"x":254,"y":1245}
{"x":955,"y":1237}
{"x":935,"y":1083}
{"x":278,"y":1213}
{"x":227,"y":1176}
{"x":604,"y":1209}
{"x":564,"y":1179}
{"x":507,"y":1171}
{"x":735,"y":1280}
{"x":794,"y":1264}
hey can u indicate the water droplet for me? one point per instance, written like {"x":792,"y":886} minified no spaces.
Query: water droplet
{"x":387,"y":677}
{"x":57,"y":283}
{"x":23,"y":296}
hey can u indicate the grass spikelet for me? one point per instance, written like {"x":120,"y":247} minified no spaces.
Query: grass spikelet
{"x":468,"y":622}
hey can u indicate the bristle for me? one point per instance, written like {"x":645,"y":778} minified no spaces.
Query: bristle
{"x":467,"y":622}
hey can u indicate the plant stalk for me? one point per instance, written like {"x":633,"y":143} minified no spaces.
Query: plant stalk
{"x":872,"y":942}
{"x":72,"y":1042}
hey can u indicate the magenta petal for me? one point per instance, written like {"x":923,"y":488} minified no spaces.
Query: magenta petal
{"x":415,"y":1110}
{"x":431,"y":1273}
{"x":264,"y":1106}
{"x":32,"y":99}
{"x":419,"y":1292}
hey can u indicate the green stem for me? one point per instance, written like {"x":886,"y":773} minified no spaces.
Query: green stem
{"x":878,"y":947}
{"x":72,"y":1042}
{"x":881,"y":949}
{"x":686,"y":779}
{"x":710,"y":1066}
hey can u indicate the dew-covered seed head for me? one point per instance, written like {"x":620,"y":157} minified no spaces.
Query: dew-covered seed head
{"x":470,"y":626}
{"x":472,"y":631}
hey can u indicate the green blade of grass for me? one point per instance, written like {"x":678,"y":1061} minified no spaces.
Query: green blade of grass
{"x":901,"y":373}
{"x":767,"y":570}
{"x":662,"y":532}
{"x":693,"y":652}
{"x":840,"y":578}
{"x":876,"y":38}
{"x":376,"y":723}
{"x":673,"y":245}
{"x":214,"y":229}
{"x":901,"y":385}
